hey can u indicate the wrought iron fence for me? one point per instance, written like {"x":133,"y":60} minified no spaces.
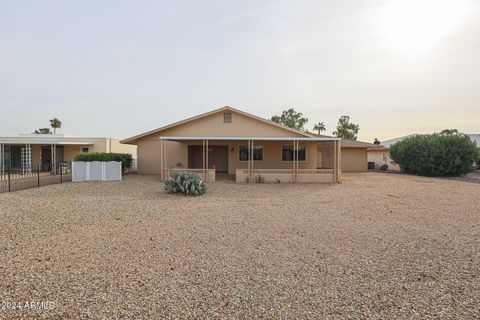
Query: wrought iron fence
{"x":15,"y":179}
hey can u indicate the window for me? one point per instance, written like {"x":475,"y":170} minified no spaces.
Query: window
{"x":85,"y":150}
{"x":287,"y":153}
{"x":243,"y":150}
{"x":257,"y":153}
{"x":227,"y":117}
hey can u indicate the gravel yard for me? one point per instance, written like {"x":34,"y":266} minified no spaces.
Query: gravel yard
{"x":376,"y":246}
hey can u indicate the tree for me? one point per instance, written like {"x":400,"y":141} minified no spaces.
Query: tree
{"x":43,"y":131}
{"x":345,"y":129}
{"x":55,"y":124}
{"x":449,"y":131}
{"x":436,"y":154}
{"x":376,"y":141}
{"x":292,"y":119}
{"x":320,"y":126}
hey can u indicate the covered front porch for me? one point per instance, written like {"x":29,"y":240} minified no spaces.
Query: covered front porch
{"x":36,"y":156}
{"x":253,"y":159}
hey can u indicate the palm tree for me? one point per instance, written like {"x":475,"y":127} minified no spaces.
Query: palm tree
{"x":320,"y":126}
{"x":55,"y":123}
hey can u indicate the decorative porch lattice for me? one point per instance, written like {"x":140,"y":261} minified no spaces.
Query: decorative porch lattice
{"x":26,"y":159}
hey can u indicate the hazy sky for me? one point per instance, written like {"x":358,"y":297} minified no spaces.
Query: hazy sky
{"x":118,"y":68}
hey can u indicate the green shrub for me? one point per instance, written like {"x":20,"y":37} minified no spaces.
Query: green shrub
{"x":435,"y":154}
{"x":384,"y":167}
{"x":125,"y":158}
{"x":187,"y":183}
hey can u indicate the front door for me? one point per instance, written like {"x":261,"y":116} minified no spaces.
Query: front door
{"x":218,"y":158}
{"x":319,"y":158}
{"x":46,"y":156}
{"x":195,"y":160}
{"x":60,"y":154}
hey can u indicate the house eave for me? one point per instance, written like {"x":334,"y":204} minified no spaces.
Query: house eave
{"x":312,"y":139}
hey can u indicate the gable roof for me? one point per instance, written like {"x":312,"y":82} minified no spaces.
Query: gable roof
{"x":387,"y":143}
{"x":351,"y":143}
{"x":133,"y":139}
{"x":359,"y":144}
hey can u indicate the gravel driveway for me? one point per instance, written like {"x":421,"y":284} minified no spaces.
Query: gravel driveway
{"x":377,"y":246}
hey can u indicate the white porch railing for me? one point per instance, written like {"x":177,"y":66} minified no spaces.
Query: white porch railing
{"x":209,"y":176}
{"x":287,"y":175}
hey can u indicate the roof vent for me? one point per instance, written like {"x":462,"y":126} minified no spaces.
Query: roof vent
{"x":227,"y":117}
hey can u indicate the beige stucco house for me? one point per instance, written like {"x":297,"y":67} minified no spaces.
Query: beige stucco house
{"x":231,"y":144}
{"x":25,"y":152}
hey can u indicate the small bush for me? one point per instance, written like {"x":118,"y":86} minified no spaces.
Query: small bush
{"x":189,"y":184}
{"x":384,"y":167}
{"x":125,"y":158}
{"x":435,"y":154}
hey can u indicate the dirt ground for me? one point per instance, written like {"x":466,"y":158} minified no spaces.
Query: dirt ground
{"x":376,"y":246}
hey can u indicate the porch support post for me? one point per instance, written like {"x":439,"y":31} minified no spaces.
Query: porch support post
{"x":207,"y":166}
{"x":251,"y":157}
{"x":335,"y":162}
{"x":29,"y":158}
{"x":339,"y":159}
{"x":161,"y":160}
{"x":297,"y":162}
{"x":203,"y":159}
{"x":2,"y":156}
{"x":293,"y":162}
{"x":248,"y":160}
{"x":165,"y":159}
{"x":53,"y":149}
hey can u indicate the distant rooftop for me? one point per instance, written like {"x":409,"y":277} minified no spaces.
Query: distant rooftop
{"x":387,"y":143}
{"x":41,"y":135}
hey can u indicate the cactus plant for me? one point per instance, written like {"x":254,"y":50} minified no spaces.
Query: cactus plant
{"x":186,"y":183}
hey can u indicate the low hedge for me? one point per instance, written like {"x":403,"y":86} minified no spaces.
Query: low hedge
{"x":125,"y":158}
{"x":436,"y":154}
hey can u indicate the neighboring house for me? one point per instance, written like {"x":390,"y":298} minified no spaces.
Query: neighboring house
{"x":475,"y":137}
{"x":381,"y":156}
{"x":26,"y":152}
{"x":241,"y":147}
